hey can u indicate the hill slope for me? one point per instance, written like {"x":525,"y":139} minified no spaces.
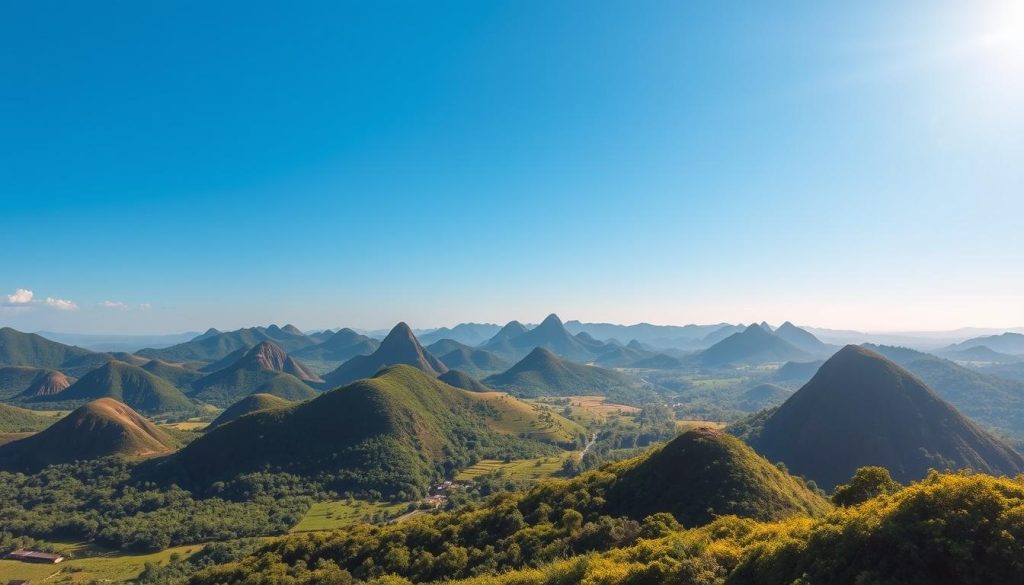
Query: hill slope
{"x":177,"y":374}
{"x":389,"y":433}
{"x":862,"y":409}
{"x":399,"y":347}
{"x":29,"y":349}
{"x":754,"y":345}
{"x":802,"y":339}
{"x":1007,"y":343}
{"x":463,"y":380}
{"x":265,"y":368}
{"x":49,"y":384}
{"x":20,"y":420}
{"x":542,"y":373}
{"x":248,"y":405}
{"x":552,"y":335}
{"x":214,"y":345}
{"x":98,"y":429}
{"x":128,"y":384}
{"x":705,"y":473}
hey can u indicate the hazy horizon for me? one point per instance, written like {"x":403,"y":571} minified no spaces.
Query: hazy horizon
{"x":850,"y":167}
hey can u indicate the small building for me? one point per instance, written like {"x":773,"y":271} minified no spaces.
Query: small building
{"x":31,"y":556}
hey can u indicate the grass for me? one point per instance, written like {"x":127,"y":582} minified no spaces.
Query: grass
{"x":687,"y":425}
{"x":188,"y":425}
{"x":529,"y":420}
{"x":342,"y":513}
{"x":92,"y":564}
{"x":521,"y":470}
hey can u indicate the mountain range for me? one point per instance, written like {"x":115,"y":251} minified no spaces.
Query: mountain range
{"x":266,"y":368}
{"x":399,"y":347}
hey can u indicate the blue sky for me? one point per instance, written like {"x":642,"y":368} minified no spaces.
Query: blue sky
{"x":171,"y":166}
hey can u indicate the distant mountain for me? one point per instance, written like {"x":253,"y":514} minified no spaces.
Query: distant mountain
{"x":663,"y":336}
{"x":48,"y":384}
{"x":980,"y":354}
{"x":125,"y":383}
{"x":993,"y":401}
{"x":248,"y":405}
{"x":1007,"y":343}
{"x":339,"y":347}
{"x":542,"y":373}
{"x":390,"y":433}
{"x":79,"y":366}
{"x":214,"y":345}
{"x":474,"y":361}
{"x":176,"y":374}
{"x":863,"y":409}
{"x":118,"y":343}
{"x":266,"y":368}
{"x":399,"y":347}
{"x":29,"y":349}
{"x":755,"y":345}
{"x":20,"y":420}
{"x":763,"y":396}
{"x":796,"y":373}
{"x":550,"y":335}
{"x":658,"y":361}
{"x":501,"y":343}
{"x":100,"y":428}
{"x":802,"y":339}
{"x":15,"y":379}
{"x":703,"y":474}
{"x":720,"y":334}
{"x":471,"y":334}
{"x":463,"y":380}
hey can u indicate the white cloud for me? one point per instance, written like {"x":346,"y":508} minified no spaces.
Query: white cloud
{"x":114,"y":305}
{"x":61,"y":304}
{"x":21,"y":296}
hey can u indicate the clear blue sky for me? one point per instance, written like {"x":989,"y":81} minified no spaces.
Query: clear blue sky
{"x":175,"y":165}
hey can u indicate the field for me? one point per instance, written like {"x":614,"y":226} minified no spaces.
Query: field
{"x":8,"y":437}
{"x":522,"y":470}
{"x":342,"y":513}
{"x":686,"y":425}
{"x":188,"y":425}
{"x":100,"y":566}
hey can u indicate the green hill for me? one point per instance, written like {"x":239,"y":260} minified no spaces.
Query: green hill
{"x":501,"y":342}
{"x":339,"y":347}
{"x":100,"y":428}
{"x":29,"y":349}
{"x":796,"y":373}
{"x":862,"y":409}
{"x":754,"y":345}
{"x":125,"y":383}
{"x":474,"y":361}
{"x":706,"y":473}
{"x":542,"y":373}
{"x":214,"y":345}
{"x":1005,"y":343}
{"x":471,"y":334}
{"x":20,"y":420}
{"x":265,"y":368}
{"x":463,"y":380}
{"x":391,"y":433}
{"x":802,"y":339}
{"x":993,"y":401}
{"x":49,"y":384}
{"x":551,"y":334}
{"x":763,"y":396}
{"x":658,"y":361}
{"x":399,"y":347}
{"x":248,"y":405}
{"x":980,"y":354}
{"x":177,"y":374}
{"x":15,"y":379}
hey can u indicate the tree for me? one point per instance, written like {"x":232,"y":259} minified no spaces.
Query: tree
{"x":866,"y":483}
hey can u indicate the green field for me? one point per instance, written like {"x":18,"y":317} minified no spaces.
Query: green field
{"x":341,"y":513}
{"x":522,"y":470}
{"x":94,"y":565}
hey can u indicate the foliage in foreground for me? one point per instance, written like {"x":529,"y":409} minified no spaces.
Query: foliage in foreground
{"x":947,"y":528}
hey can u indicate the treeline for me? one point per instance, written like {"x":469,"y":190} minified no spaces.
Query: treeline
{"x":949,"y":528}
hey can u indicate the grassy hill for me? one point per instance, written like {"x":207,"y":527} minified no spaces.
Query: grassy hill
{"x":248,"y":405}
{"x":705,"y":473}
{"x":399,"y":347}
{"x":15,"y":379}
{"x":763,"y":396}
{"x":551,"y":334}
{"x":542,"y":373}
{"x":100,"y":428}
{"x":29,"y":349}
{"x":472,"y":361}
{"x":265,"y":368}
{"x":125,"y":383}
{"x":391,"y":433}
{"x":754,"y":345}
{"x":462,"y":380}
{"x":20,"y":420}
{"x":339,"y":347}
{"x":177,"y":374}
{"x":48,"y":384}
{"x":993,"y":401}
{"x":796,"y":373}
{"x":862,"y":409}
